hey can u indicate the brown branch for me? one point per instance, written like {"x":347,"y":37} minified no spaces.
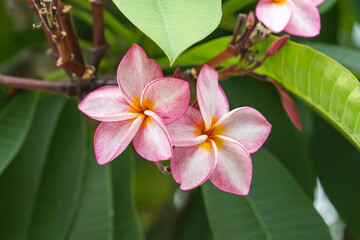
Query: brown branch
{"x":72,"y":41}
{"x":33,"y":84}
{"x":100,"y":46}
{"x":47,"y":34}
{"x":66,"y":59}
{"x":70,"y":89}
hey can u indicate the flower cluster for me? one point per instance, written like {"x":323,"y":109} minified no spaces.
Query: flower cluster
{"x":297,"y":17}
{"x":211,"y":142}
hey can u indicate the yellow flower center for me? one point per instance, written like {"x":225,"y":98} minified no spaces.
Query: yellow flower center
{"x":278,"y":2}
{"x":212,"y":134}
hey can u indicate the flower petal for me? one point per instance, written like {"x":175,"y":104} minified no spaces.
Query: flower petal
{"x":212,"y":99}
{"x":152,"y":141}
{"x":305,"y":21}
{"x":247,"y":126}
{"x":185,"y":131}
{"x":107,"y":104}
{"x":112,"y":138}
{"x":192,"y":166}
{"x":273,"y":15}
{"x":135,"y":71}
{"x":317,"y":2}
{"x":233,"y":171}
{"x":167,"y":97}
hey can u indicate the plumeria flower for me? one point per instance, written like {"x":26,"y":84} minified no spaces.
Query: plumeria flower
{"x":297,"y":17}
{"x":214,"y":143}
{"x":138,"y":109}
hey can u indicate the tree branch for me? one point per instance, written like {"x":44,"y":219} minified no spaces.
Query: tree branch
{"x":67,"y":25}
{"x":100,"y":46}
{"x":33,"y":84}
{"x":68,"y":88}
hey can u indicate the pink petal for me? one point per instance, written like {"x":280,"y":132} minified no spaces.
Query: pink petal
{"x":112,"y":138}
{"x":185,"y":131}
{"x":167,"y":97}
{"x":305,"y":20}
{"x":212,"y":99}
{"x":274,"y":16}
{"x":192,"y":166}
{"x":152,"y":141}
{"x":135,"y":71}
{"x":247,"y":126}
{"x":233,"y":171}
{"x":289,"y":105}
{"x":107,"y":104}
{"x":177,"y":73}
{"x":317,"y":2}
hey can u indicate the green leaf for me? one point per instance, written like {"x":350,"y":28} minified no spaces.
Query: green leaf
{"x":276,"y":207}
{"x":192,"y":223}
{"x":95,"y":213}
{"x":356,"y":7}
{"x":324,"y":84}
{"x":61,"y":181}
{"x":15,"y":121}
{"x":326,"y":6}
{"x":107,"y":208}
{"x":337,"y":164}
{"x":173,"y":24}
{"x":20,"y":181}
{"x":126,"y":223}
{"x":345,"y":55}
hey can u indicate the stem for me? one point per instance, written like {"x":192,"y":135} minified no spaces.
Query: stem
{"x":238,"y":27}
{"x":99,"y":44}
{"x":70,"y":89}
{"x":67,"y":25}
{"x":47,"y":34}
{"x":33,"y":84}
{"x":164,"y":169}
{"x":220,"y":58}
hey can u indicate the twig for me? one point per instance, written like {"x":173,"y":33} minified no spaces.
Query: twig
{"x":33,"y":84}
{"x":99,"y":44}
{"x":67,"y":25}
{"x":164,"y":169}
{"x":47,"y":34}
{"x":70,"y":89}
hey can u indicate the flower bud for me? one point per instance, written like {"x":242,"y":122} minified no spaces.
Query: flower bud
{"x":277,"y":45}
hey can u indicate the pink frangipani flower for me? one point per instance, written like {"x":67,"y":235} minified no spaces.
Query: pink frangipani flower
{"x":297,"y":17}
{"x":214,"y":143}
{"x":138,"y":109}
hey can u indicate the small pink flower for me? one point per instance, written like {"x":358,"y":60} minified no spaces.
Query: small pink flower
{"x":214,"y":143}
{"x":297,"y":17}
{"x":137,"y":110}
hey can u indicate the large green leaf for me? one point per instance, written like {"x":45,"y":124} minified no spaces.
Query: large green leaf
{"x":192,"y":224}
{"x":275,"y":209}
{"x":173,"y":24}
{"x":107,"y":206}
{"x":337,"y":164}
{"x":20,"y":181}
{"x":59,"y":191}
{"x":126,"y":224}
{"x":15,"y":121}
{"x":95,"y":213}
{"x":347,"y":56}
{"x":324,"y":84}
